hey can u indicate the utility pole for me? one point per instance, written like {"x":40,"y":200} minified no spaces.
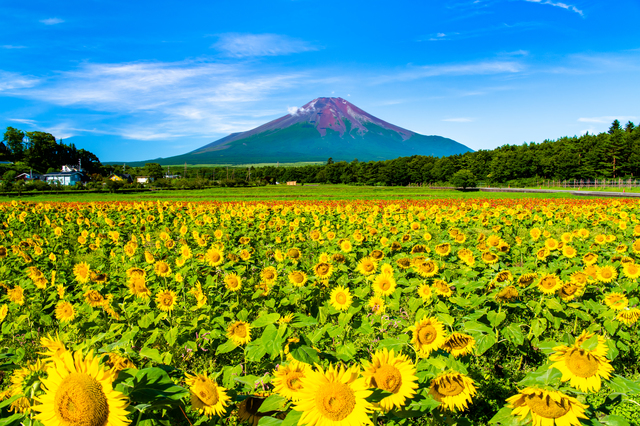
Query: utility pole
{"x":185,"y":169}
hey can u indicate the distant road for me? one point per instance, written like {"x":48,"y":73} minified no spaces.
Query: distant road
{"x":569,"y":191}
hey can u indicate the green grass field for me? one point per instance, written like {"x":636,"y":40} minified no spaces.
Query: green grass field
{"x":282,"y":192}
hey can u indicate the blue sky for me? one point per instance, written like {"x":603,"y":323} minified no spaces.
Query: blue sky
{"x":138,"y":79}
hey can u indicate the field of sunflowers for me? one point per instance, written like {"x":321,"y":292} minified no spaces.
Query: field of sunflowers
{"x":329,"y":313}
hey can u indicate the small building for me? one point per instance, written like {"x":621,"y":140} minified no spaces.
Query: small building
{"x":29,"y":176}
{"x":121,"y":177}
{"x":144,"y":179}
{"x":292,"y":182}
{"x":168,"y":176}
{"x":65,"y":178}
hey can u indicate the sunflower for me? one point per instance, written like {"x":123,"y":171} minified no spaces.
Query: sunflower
{"x":426,"y":269}
{"x":377,"y":255}
{"x":206,"y":396}
{"x":549,"y":284}
{"x":507,"y":294}
{"x":489,"y":258}
{"x":269,"y":275}
{"x":166,"y":300}
{"x":570,"y":291}
{"x":628,"y":316}
{"x":404,"y":263}
{"x":53,"y":345}
{"x":377,"y":306}
{"x":442,"y":288}
{"x":547,"y":407}
{"x":4,"y":309}
{"x":93,"y":298}
{"x":631,"y":270}
{"x":367,"y":266}
{"x":334,"y":397}
{"x":323,"y":270}
{"x":239,"y":332}
{"x":428,"y":335}
{"x":288,"y":379}
{"x":590,"y":258}
{"x":249,"y":411}
{"x":391,"y":373}
{"x":294,"y":254}
{"x":162,"y":268}
{"x":148,"y":257}
{"x":82,"y":272}
{"x":582,"y":368}
{"x":543,"y":253}
{"x":16,"y":295}
{"x":459,"y":344}
{"x":79,"y":391}
{"x":233,"y":282}
{"x":606,"y":274}
{"x":384,"y":285}
{"x":424,"y":291}
{"x":297,"y":278}
{"x":214,"y":256}
{"x":579,"y":278}
{"x":65,"y":311}
{"x":453,"y":391}
{"x":616,"y":301}
{"x":138,"y":287}
{"x":341,"y":298}
{"x":118,"y":362}
{"x":443,"y":249}
{"x":346,"y":246}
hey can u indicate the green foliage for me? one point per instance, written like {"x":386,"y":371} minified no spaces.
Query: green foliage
{"x":463,"y":179}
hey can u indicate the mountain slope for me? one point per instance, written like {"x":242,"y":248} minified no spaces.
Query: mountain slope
{"x":323,"y":128}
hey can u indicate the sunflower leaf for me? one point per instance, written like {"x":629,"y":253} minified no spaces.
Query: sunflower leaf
{"x":273,"y":403}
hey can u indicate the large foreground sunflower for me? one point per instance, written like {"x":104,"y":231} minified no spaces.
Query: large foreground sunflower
{"x":206,"y":396}
{"x":453,"y":390}
{"x":79,"y":391}
{"x":391,"y":373}
{"x":582,"y":368}
{"x":335,"y":397}
{"x":547,"y":407}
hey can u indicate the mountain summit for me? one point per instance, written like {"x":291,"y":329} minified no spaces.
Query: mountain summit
{"x":322,"y":128}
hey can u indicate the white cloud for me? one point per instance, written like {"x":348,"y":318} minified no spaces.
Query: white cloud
{"x":558,"y":4}
{"x":11,"y":46}
{"x":293,"y":110}
{"x":23,"y":121}
{"x":478,"y":68}
{"x":608,"y":119}
{"x":11,"y":81}
{"x":52,"y":21}
{"x":459,"y":120}
{"x":247,"y":45}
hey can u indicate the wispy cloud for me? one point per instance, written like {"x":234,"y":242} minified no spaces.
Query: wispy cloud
{"x":23,"y":121}
{"x":478,"y":32}
{"x":606,"y":119}
{"x":476,"y":68}
{"x":11,"y":46}
{"x":52,"y":21}
{"x":12,"y":81}
{"x":459,"y":120}
{"x":247,"y":45}
{"x":558,"y":4}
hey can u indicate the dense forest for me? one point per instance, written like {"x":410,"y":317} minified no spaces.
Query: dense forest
{"x":613,"y":154}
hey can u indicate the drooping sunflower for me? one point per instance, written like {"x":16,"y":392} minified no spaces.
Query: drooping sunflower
{"x":459,"y":344}
{"x":82,"y":272}
{"x":453,"y":390}
{"x":341,"y":298}
{"x":384,"y":285}
{"x":233,"y":282}
{"x":118,"y":362}
{"x":367,"y":266}
{"x":166,"y":300}
{"x":239,"y":332}
{"x":138,"y":287}
{"x":148,"y":257}
{"x":65,"y":311}
{"x":549,"y":284}
{"x":606,"y":274}
{"x":628,"y":316}
{"x":404,"y":263}
{"x":442,"y":288}
{"x":93,"y":298}
{"x":583,"y":369}
{"x":428,"y":335}
{"x":162,"y":268}
{"x":288,"y":379}
{"x":579,"y":278}
{"x":16,"y":295}
{"x":214,"y":256}
{"x":79,"y":391}
{"x":297,"y":278}
{"x":527,"y":279}
{"x":377,"y":306}
{"x":616,"y":301}
{"x":507,"y":294}
{"x":206,"y":396}
{"x":334,"y":397}
{"x":391,"y":373}
{"x":547,"y":407}
{"x":570,"y":291}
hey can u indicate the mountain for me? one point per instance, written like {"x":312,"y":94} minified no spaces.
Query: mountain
{"x":323,"y":128}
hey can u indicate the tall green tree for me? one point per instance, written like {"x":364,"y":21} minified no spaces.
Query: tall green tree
{"x":14,"y":139}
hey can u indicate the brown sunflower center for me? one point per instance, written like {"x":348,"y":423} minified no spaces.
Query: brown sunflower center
{"x":207,"y":392}
{"x":335,"y":401}
{"x":449,"y":386}
{"x":548,"y":282}
{"x":80,"y":400}
{"x":547,"y":407}
{"x":582,"y":363}
{"x":427,"y":334}
{"x":293,"y":380}
{"x":385,"y":285}
{"x":388,"y":378}
{"x":368,"y":266}
{"x":322,"y":269}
